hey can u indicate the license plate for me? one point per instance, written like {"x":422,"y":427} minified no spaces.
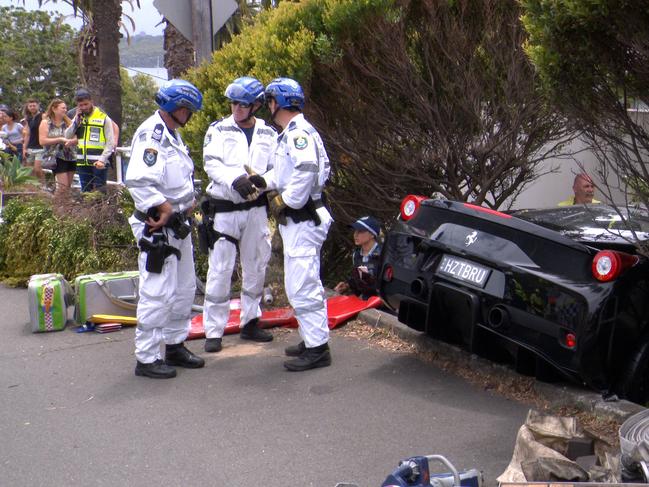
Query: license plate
{"x":463,"y":270}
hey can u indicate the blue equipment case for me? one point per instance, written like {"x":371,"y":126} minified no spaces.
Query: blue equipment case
{"x":415,"y":472}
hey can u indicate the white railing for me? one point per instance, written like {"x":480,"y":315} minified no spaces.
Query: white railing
{"x":122,"y":155}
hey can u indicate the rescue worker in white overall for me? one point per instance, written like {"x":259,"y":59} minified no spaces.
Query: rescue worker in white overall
{"x":159,"y":178}
{"x":235,"y":149}
{"x":300,"y":170}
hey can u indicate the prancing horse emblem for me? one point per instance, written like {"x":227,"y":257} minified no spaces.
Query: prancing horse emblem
{"x":471,"y":238}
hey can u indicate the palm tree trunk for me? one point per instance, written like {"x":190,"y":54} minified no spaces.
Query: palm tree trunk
{"x":90,"y":72}
{"x":179,"y":52}
{"x":107,"y":89}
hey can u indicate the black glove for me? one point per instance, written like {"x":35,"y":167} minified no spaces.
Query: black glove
{"x":257,"y":180}
{"x":243,"y":186}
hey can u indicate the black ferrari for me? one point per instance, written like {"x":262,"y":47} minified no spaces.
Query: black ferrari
{"x":557,"y":292}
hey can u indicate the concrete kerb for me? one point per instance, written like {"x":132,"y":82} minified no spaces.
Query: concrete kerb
{"x":555,"y":395}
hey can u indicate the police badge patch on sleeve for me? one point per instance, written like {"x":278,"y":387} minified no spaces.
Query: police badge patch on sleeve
{"x":208,"y":139}
{"x":150,"y":156}
{"x":300,"y":142}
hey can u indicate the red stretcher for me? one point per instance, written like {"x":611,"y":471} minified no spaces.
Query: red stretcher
{"x":339,"y":310}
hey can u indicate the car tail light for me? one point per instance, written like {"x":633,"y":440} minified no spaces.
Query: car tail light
{"x":388,"y":273}
{"x":570,"y":340}
{"x":609,"y":264}
{"x":410,"y":205}
{"x":487,"y":210}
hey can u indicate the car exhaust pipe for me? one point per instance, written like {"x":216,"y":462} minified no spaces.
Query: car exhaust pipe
{"x":498,"y":317}
{"x":419,"y":288}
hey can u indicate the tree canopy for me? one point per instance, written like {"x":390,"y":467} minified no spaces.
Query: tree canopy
{"x":36,"y":57}
{"x":138,"y":103}
{"x":410,"y":96}
{"x":590,"y":53}
{"x":593,"y":57}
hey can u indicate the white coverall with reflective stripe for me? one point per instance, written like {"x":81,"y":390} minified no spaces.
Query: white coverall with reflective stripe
{"x":225,"y":152}
{"x":300,"y":169}
{"x":160,"y":170}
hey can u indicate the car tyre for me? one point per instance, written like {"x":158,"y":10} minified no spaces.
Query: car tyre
{"x":634,"y":384}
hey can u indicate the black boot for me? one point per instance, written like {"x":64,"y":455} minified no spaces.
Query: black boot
{"x":213,"y":345}
{"x":251,"y":331}
{"x":179,"y":356}
{"x":310,"y":359}
{"x":295,"y":350}
{"x":155,"y":370}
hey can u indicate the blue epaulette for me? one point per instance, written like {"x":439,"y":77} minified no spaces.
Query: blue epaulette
{"x":266,"y":131}
{"x":217,"y":121}
{"x":158,"y":130}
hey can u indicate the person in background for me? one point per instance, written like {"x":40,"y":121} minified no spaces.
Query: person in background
{"x":97,"y":137}
{"x":59,"y":142}
{"x":159,"y":178}
{"x":232,"y":146}
{"x":13,"y":131}
{"x":365,"y":258}
{"x":300,"y":171}
{"x":3,"y":120}
{"x":584,"y":190}
{"x":31,"y":146}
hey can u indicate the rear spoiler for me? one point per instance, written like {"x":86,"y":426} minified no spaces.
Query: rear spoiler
{"x":510,"y":221}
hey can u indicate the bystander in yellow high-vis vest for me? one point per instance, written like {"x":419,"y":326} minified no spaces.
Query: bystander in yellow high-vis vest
{"x":92,"y":138}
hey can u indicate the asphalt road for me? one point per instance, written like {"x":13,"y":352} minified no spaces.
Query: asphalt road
{"x":73,"y":414}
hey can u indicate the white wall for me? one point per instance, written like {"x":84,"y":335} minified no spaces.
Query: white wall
{"x":549,"y":189}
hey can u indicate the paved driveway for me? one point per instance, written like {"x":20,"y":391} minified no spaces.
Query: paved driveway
{"x":73,"y":414}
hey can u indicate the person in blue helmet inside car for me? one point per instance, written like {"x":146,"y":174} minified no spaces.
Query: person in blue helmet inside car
{"x":159,"y":178}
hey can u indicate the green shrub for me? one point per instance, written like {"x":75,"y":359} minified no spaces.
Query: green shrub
{"x":42,"y":235}
{"x":285,"y":41}
{"x":13,"y":173}
{"x":138,"y":103}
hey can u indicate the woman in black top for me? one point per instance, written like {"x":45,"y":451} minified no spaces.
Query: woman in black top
{"x":31,"y":145}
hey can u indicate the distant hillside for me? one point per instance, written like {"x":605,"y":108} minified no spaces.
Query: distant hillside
{"x":144,"y":51}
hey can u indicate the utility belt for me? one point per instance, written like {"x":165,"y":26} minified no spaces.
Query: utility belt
{"x":307,"y":213}
{"x":209,"y":207}
{"x":157,"y":249}
{"x":213,"y":206}
{"x":178,"y":223}
{"x":207,"y":236}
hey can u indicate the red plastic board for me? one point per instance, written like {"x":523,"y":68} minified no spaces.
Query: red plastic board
{"x":343,"y":308}
{"x":339,"y":310}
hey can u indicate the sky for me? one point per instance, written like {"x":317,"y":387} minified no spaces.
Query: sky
{"x":145,"y":18}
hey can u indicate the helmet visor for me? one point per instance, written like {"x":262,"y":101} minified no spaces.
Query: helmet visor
{"x":240,"y":103}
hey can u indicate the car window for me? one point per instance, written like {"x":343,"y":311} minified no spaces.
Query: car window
{"x":579,"y":218}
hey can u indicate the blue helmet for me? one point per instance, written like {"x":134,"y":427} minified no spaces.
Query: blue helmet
{"x":287,"y":93}
{"x":178,"y":93}
{"x":245,"y":90}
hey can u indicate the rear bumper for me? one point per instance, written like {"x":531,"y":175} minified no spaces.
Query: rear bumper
{"x":457,"y":313}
